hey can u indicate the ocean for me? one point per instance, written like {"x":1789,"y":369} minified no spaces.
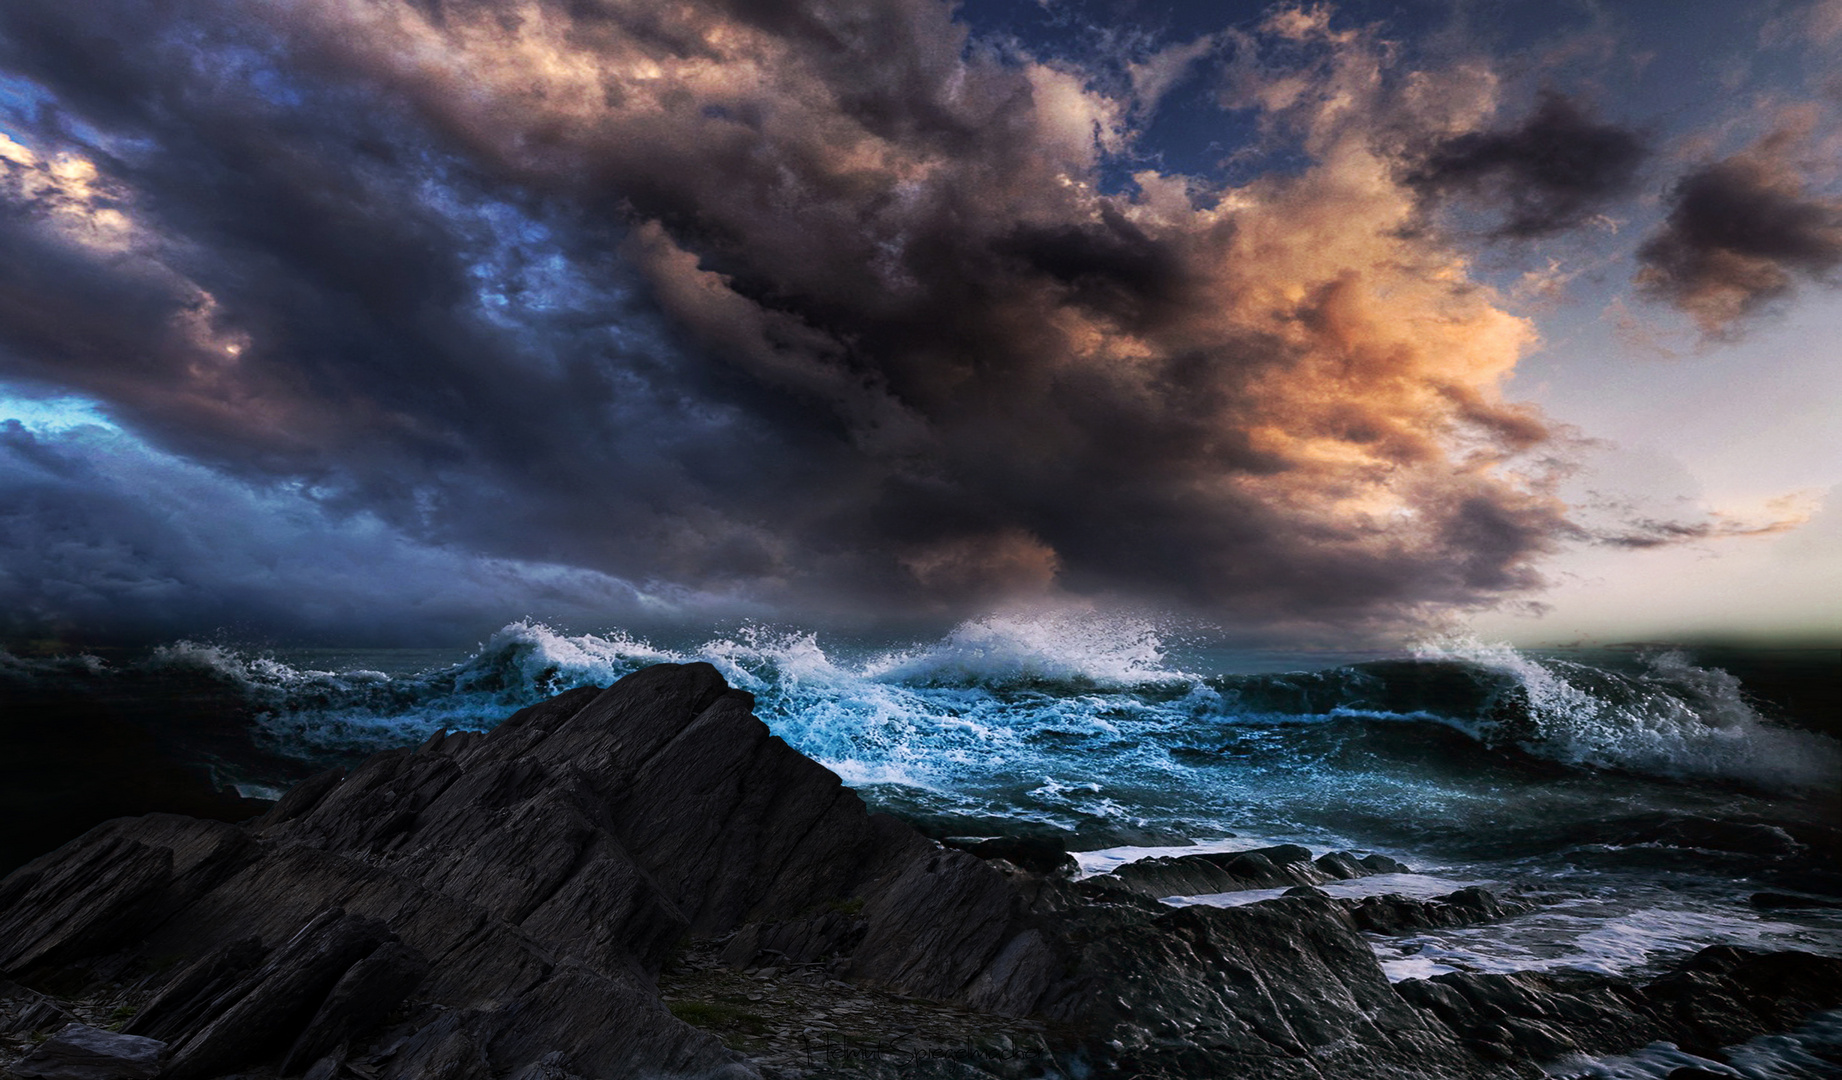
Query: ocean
{"x":1649,"y":801}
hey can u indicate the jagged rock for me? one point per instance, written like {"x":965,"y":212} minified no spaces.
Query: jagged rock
{"x":1341,"y":865}
{"x":1037,"y":854}
{"x":82,"y":904}
{"x":1686,"y":831}
{"x":358,"y":1003}
{"x":796,"y":941}
{"x":267,"y":1008}
{"x":1276,"y":867}
{"x":81,"y":1052}
{"x":1721,"y":996}
{"x":302,"y":797}
{"x":181,"y":1006}
{"x":1382,"y":864}
{"x":109,"y":884}
{"x":27,"y":1012}
{"x":935,"y":926}
{"x":446,"y":1049}
{"x":1279,"y":988}
{"x":1392,"y":913}
{"x":1221,"y":871}
{"x":1025,"y":969}
{"x":1535,"y":1016}
{"x":1724,"y":995}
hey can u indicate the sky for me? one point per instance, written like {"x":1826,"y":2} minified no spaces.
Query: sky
{"x":390,"y":321}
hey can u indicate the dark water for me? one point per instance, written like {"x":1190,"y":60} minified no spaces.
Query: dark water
{"x":1640,"y":796}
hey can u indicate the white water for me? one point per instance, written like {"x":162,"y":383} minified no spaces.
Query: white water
{"x":1626,"y":933}
{"x":1417,"y":886}
{"x":1675,"y":719}
{"x":1809,"y":1053}
{"x":983,"y":698}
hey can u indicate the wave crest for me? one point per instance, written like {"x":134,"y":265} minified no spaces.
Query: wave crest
{"x":1672,"y":719}
{"x":1076,"y":646}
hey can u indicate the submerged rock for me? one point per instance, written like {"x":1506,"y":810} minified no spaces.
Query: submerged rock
{"x":503,"y":905}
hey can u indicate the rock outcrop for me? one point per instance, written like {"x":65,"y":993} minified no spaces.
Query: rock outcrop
{"x":503,"y":905}
{"x":1391,"y":913}
{"x":82,"y":1052}
{"x":1277,"y":867}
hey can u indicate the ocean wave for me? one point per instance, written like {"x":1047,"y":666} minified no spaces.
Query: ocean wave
{"x":1672,"y":719}
{"x":1075,"y":647}
{"x":1075,"y":712}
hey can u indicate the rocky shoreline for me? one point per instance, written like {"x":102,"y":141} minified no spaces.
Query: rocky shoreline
{"x":642,"y":881}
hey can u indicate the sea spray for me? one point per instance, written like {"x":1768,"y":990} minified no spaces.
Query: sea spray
{"x":1672,"y":718}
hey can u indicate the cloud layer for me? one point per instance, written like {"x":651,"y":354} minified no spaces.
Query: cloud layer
{"x":1742,"y":232}
{"x":107,"y":537}
{"x":822,"y":306}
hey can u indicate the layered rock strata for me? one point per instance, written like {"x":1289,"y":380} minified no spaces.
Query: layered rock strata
{"x":502,"y":905}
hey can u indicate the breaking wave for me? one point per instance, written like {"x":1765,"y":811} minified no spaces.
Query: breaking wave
{"x":1080,"y":711}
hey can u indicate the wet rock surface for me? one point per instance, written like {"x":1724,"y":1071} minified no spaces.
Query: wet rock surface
{"x":1719,"y":997}
{"x":795,"y":1020}
{"x":1277,"y":867}
{"x":1391,"y":913}
{"x":642,"y":881}
{"x":82,"y":1052}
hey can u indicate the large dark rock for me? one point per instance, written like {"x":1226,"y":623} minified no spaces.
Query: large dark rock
{"x":267,"y":1008}
{"x":501,"y":905}
{"x":1280,"y":988}
{"x":1391,"y":913}
{"x":1278,"y":867}
{"x":358,"y":1003}
{"x":81,"y":1052}
{"x":1037,"y":854}
{"x":183,"y":1004}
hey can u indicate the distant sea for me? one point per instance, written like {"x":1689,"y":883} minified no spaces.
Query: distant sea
{"x":1642,"y":796}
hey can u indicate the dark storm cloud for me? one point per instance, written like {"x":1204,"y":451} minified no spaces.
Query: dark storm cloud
{"x":1741,"y":233}
{"x":1549,"y":173}
{"x":815,"y":305}
{"x":106,"y":537}
{"x":348,"y":253}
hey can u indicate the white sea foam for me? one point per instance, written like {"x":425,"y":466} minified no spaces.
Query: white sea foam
{"x":1065,"y":644}
{"x":1106,"y":860}
{"x":1808,"y":1053}
{"x":1673,"y":719}
{"x":1607,"y":935}
{"x":1418,"y":886}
